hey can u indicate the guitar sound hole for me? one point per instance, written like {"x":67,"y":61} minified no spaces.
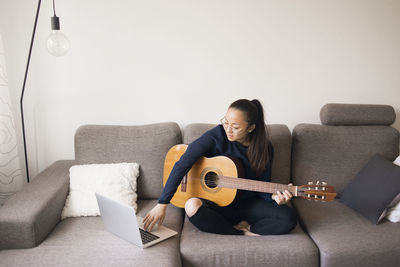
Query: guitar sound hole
{"x":211,"y":179}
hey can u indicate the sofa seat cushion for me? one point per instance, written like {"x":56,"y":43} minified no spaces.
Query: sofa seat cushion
{"x":346,"y":238}
{"x":84,"y":242}
{"x":204,"y":249}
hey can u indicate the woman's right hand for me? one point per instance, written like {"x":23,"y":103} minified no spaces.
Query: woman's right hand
{"x":155,"y":215}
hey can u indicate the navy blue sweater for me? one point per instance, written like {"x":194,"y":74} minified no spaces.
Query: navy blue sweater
{"x":214,"y":143}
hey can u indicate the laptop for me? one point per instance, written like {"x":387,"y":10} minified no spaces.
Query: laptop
{"x":121,"y":220}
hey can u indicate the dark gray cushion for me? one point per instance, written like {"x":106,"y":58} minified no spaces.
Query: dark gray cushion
{"x":193,"y":131}
{"x":357,"y":114}
{"x":335,"y":154}
{"x":281,"y":139}
{"x":347,"y":239}
{"x":84,"y":242}
{"x":146,"y":145}
{"x":204,"y":249}
{"x":373,"y":188}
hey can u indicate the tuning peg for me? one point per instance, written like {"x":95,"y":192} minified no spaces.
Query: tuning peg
{"x":317,"y":184}
{"x":323,"y":186}
{"x":310,"y":183}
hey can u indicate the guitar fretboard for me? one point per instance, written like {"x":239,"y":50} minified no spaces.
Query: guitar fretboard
{"x":253,"y":185}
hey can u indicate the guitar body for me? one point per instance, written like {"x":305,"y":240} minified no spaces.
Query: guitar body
{"x":198,"y":181}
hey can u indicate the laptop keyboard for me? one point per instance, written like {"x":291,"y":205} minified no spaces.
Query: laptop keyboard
{"x":147,"y":236}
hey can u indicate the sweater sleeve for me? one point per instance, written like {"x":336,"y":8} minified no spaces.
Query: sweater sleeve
{"x":200,"y":147}
{"x":267,"y":174}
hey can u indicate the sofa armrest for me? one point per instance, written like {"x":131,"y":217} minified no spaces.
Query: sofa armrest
{"x":30,"y":215}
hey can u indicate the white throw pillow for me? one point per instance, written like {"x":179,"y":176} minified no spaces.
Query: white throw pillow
{"x":397,"y":161}
{"x":393,"y":213}
{"x":116,"y":181}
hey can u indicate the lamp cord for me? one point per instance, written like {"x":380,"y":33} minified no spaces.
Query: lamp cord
{"x":54,"y":9}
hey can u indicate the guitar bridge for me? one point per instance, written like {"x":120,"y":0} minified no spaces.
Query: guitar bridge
{"x":184,"y":183}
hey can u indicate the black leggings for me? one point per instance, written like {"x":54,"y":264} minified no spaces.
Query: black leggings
{"x":264,"y":217}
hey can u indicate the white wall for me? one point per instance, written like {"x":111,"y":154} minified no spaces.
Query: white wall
{"x":138,"y":62}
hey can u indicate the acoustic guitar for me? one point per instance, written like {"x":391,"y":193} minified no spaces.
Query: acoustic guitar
{"x":216,"y":179}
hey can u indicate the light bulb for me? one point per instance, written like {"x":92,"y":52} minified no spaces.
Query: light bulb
{"x":57,"y":43}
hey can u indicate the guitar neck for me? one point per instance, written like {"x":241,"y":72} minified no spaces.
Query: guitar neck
{"x":253,"y":185}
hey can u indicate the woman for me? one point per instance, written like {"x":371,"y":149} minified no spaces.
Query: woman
{"x":243,"y":135}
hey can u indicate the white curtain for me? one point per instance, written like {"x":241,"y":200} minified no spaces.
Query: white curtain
{"x":11,"y":179}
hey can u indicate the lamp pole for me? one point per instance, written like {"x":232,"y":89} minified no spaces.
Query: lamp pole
{"x":23,"y":89}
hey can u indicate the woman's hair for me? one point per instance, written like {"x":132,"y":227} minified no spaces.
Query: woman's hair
{"x":258,"y":139}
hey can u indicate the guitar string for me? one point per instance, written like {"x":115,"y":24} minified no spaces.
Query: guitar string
{"x":279,"y":187}
{"x":232,"y":181}
{"x":242,"y":181}
{"x":255,"y":183}
{"x":266,"y":187}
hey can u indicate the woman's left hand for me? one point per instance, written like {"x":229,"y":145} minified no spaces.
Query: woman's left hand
{"x":282,"y":197}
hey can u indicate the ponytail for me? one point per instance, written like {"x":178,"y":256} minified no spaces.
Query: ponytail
{"x":257,"y":151}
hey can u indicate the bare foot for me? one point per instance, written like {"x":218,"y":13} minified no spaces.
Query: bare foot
{"x":245,"y":227}
{"x":242,"y":225}
{"x":247,"y":232}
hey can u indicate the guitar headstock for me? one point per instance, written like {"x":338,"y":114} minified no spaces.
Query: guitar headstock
{"x":318,"y":191}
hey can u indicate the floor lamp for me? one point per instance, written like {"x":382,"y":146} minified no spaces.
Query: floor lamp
{"x":57,"y":45}
{"x":23,"y":89}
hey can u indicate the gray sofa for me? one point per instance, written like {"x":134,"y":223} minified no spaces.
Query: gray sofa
{"x":328,"y":234}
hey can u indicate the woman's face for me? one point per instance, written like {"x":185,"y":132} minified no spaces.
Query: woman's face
{"x":236,"y":127}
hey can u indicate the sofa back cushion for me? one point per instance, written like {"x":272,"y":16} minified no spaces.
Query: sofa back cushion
{"x":146,"y":145}
{"x":280,"y":138}
{"x":336,"y":152}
